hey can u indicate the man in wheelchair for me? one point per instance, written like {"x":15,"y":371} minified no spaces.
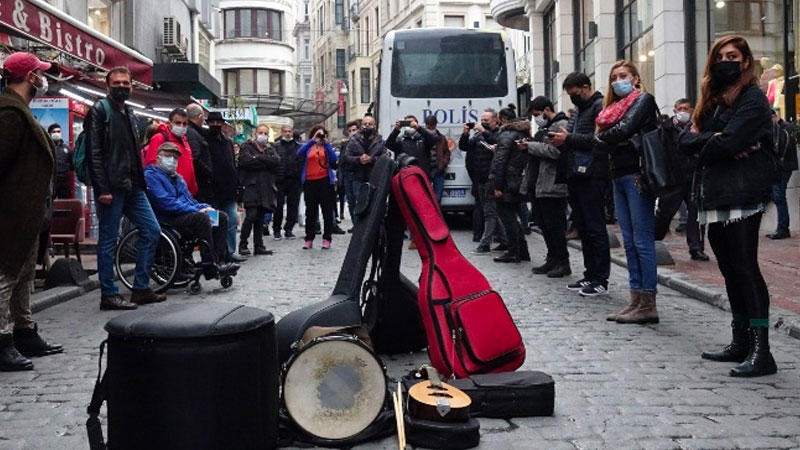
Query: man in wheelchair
{"x":174,"y":206}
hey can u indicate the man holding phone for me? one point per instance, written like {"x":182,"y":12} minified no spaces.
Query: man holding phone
{"x":408,"y":137}
{"x":363,"y":149}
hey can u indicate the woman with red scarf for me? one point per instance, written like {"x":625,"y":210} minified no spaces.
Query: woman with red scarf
{"x":630,"y":111}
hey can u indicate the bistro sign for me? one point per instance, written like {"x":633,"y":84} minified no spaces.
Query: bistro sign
{"x":35,"y":22}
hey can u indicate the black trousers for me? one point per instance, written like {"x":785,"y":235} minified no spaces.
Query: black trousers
{"x":551,"y":214}
{"x":62,"y":189}
{"x":198,"y":226}
{"x":477,"y":213}
{"x":587,"y":197}
{"x":253,"y":221}
{"x":668,"y":205}
{"x":319,"y":193}
{"x":509,"y":213}
{"x":289,"y":195}
{"x":736,"y":247}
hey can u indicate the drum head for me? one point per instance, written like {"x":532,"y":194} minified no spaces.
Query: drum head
{"x":334,"y":389}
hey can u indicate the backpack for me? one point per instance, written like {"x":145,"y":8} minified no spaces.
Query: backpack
{"x":79,"y":155}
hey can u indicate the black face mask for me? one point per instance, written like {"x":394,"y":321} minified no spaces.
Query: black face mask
{"x":368,"y":131}
{"x":119,"y":94}
{"x":724,"y":73}
{"x":486,"y":125}
{"x":215,"y":130}
{"x":577,"y":100}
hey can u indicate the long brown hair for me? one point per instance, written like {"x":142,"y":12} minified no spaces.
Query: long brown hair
{"x":611,"y":97}
{"x":711,"y":95}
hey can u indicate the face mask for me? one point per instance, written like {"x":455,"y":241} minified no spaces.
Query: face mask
{"x":178,"y":131}
{"x":215,"y":130}
{"x":622,"y":87}
{"x":368,"y":131}
{"x":725,"y":72}
{"x":40,"y":90}
{"x":541,"y":121}
{"x":408,"y":131}
{"x":287,"y":139}
{"x":577,"y":100}
{"x":168,"y":164}
{"x":262,"y":139}
{"x":683,"y":116}
{"x":55,"y":136}
{"x":120,"y":93}
{"x":486,"y":125}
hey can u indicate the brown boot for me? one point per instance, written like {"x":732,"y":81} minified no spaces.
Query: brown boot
{"x":635,"y":295}
{"x":145,"y":296}
{"x":645,"y":313}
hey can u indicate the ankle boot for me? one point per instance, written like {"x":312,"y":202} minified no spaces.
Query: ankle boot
{"x":739,"y":347}
{"x":10,"y":359}
{"x":760,"y":361}
{"x":560,"y":270}
{"x":645,"y":313}
{"x":548,"y":265}
{"x":30,"y":343}
{"x":634,"y":303}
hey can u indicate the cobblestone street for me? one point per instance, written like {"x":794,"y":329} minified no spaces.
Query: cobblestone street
{"x":617,"y":386}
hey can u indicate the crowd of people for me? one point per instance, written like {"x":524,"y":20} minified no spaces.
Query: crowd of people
{"x":733,"y":152}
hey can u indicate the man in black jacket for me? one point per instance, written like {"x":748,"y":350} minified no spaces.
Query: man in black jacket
{"x":786,"y":145}
{"x":201,"y":159}
{"x":288,"y":183}
{"x":224,"y":178}
{"x":117,"y":176}
{"x":63,"y":162}
{"x":363,"y":149}
{"x":480,"y":151}
{"x":412,"y":140}
{"x":587,"y":177}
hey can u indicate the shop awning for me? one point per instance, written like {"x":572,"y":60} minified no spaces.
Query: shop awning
{"x":188,"y":79}
{"x":304,"y":111}
{"x":40,"y":22}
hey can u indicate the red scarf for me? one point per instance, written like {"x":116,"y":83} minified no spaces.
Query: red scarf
{"x":614,"y":112}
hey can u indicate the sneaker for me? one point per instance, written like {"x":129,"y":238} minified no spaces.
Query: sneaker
{"x":289,"y":235}
{"x":277,"y":236}
{"x":326,"y":244}
{"x":578,"y":285}
{"x":481,"y":250}
{"x":593,"y":290}
{"x":307,"y":245}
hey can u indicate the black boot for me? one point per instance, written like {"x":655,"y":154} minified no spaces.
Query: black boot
{"x":544,"y":268}
{"x":760,"y":361}
{"x":739,"y":347}
{"x":507,"y":257}
{"x":29,"y":343}
{"x":560,"y":270}
{"x":10,"y":359}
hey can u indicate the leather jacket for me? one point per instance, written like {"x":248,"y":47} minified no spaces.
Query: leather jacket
{"x":623,"y":139}
{"x":509,"y":162}
{"x":359,"y":145}
{"x":479,"y":158}
{"x":114,"y":160}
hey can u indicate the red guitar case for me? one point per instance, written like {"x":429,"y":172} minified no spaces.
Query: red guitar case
{"x":467,"y":325}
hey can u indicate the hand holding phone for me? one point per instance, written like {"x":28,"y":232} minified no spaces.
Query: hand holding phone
{"x":470,"y":125}
{"x":405,"y":123}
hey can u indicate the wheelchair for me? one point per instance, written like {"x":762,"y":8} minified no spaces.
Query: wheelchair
{"x":174,"y":263}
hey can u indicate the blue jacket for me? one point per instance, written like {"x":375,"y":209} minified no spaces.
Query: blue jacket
{"x":302,"y":152}
{"x":169,"y":196}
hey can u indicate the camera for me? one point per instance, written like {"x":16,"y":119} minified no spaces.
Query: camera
{"x":405,"y":123}
{"x":470,"y":125}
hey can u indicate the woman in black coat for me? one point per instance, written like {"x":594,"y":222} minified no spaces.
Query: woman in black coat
{"x":731,"y":134}
{"x":258,"y":167}
{"x":506,"y":178}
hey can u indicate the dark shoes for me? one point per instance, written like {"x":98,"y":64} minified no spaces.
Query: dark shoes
{"x":738,"y":349}
{"x":698,"y":255}
{"x":780,"y":234}
{"x":289,"y":235}
{"x":507,"y":258}
{"x":594,"y":289}
{"x":338,"y":230}
{"x":578,"y":285}
{"x":350,"y":230}
{"x":680,"y":228}
{"x":11,"y":360}
{"x":544,"y":268}
{"x":235,"y":258}
{"x":244,"y":251}
{"x":115,"y":302}
{"x":146,"y":296}
{"x":481,"y":250}
{"x":760,"y":361}
{"x":560,"y":270}
{"x":262,"y":251}
{"x":28,"y":342}
{"x":228,"y":269}
{"x":500,"y":248}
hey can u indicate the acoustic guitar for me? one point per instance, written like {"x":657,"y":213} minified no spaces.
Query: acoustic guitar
{"x":437,"y":401}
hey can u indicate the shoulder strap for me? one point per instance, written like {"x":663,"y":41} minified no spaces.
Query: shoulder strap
{"x":106,"y":109}
{"x":94,"y":429}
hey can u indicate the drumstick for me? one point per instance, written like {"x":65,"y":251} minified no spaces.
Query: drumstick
{"x":402,"y":411}
{"x":398,"y":418}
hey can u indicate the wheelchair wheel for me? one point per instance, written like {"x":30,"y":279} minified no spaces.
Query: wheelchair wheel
{"x":226,"y":281}
{"x":166,"y":262}
{"x":195,"y":288}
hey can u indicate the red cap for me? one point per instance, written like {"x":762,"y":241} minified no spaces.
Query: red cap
{"x":20,"y":63}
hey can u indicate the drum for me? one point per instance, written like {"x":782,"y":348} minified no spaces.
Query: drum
{"x":334,"y":387}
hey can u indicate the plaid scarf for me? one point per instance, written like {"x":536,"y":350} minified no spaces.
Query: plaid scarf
{"x":614,"y":112}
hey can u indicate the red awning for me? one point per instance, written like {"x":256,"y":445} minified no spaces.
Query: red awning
{"x":37,"y":20}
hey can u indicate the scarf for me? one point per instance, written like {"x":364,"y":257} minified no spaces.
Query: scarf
{"x":613,"y":113}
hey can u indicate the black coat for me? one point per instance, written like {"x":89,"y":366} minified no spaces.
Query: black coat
{"x":290,"y":168}
{"x":509,"y":162}
{"x":623,"y":139}
{"x":581,"y":137}
{"x":201,"y":160}
{"x":479,"y":159}
{"x":419,"y":146}
{"x":786,"y":142}
{"x":724,"y":181}
{"x":358,"y":145}
{"x":225,"y":177}
{"x":258,"y":173}
{"x":113,"y":154}
{"x":63,"y":162}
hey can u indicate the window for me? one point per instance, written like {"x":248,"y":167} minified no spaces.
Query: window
{"x":550,"y":64}
{"x":253,"y":81}
{"x":306,"y":48}
{"x":341,"y":70}
{"x":253,"y":23}
{"x":305,"y":11}
{"x":635,"y":39}
{"x":306,"y":87}
{"x":352,"y":85}
{"x":204,"y":53}
{"x":321,"y":21}
{"x":365,"y":90}
{"x":454,"y":21}
{"x":585,"y":32}
{"x":526,"y":44}
{"x":338,"y":9}
{"x":377,"y":23}
{"x":366,"y":33}
{"x":99,"y":17}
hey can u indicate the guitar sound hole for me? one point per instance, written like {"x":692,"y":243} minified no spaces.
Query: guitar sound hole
{"x":440,"y":394}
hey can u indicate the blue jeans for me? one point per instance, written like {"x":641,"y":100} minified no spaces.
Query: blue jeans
{"x":351,"y":190}
{"x":229,"y":208}
{"x":134,"y":205}
{"x":635,"y":212}
{"x":779,"y":197}
{"x":437,"y":179}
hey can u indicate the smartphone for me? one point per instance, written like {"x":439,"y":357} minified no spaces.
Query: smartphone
{"x":405,"y":123}
{"x":470,"y":125}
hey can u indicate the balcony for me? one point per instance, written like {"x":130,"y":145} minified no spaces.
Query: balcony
{"x":354,"y":11}
{"x":510,"y":13}
{"x":354,"y":51}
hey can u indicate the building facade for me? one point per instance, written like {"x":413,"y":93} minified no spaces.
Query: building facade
{"x":668,"y":40}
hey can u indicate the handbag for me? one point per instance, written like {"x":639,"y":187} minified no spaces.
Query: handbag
{"x":658,"y":163}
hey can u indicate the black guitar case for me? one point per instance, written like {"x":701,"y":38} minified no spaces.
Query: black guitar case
{"x":343,"y":307}
{"x":442,"y":435}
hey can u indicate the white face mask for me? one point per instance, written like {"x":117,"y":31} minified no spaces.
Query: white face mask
{"x":682,"y":116}
{"x":55,"y":136}
{"x":41,"y":90}
{"x":262,"y":139}
{"x":540,"y":120}
{"x":168,"y":163}
{"x":179,"y":131}
{"x":408,"y":131}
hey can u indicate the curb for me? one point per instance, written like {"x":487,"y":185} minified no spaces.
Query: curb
{"x":711,"y":295}
{"x":60,"y":294}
